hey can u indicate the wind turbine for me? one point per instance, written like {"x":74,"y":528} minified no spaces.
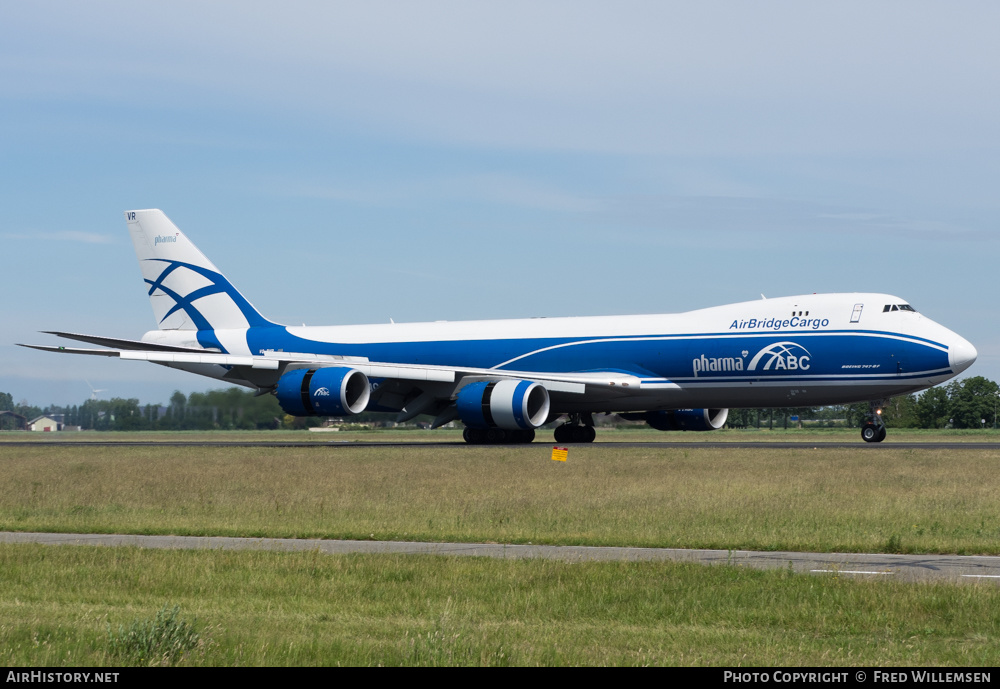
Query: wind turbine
{"x":93,"y":392}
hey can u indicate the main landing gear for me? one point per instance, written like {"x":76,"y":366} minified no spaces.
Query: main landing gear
{"x":579,"y":429}
{"x":873,"y":430}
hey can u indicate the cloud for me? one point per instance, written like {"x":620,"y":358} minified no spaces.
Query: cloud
{"x":522,"y":191}
{"x":677,"y":220}
{"x":635,"y":77}
{"x":65,"y":236}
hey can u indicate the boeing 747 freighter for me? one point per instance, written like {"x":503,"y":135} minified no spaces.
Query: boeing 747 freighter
{"x":502,"y":379}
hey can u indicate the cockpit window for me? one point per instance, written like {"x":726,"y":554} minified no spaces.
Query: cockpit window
{"x":898,"y":307}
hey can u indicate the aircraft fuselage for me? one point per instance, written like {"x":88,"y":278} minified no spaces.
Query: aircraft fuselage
{"x":790,"y":351}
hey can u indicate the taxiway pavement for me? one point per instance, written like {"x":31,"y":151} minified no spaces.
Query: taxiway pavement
{"x":955,"y":568}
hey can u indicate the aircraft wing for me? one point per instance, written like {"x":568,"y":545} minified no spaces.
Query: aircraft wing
{"x":572,"y":383}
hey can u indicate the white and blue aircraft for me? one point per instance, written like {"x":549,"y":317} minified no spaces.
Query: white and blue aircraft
{"x":505,"y":378}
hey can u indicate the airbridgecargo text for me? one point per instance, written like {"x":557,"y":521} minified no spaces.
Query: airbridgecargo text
{"x":778,"y":324}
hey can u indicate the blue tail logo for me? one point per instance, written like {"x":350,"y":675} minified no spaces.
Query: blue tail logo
{"x":218,"y":285}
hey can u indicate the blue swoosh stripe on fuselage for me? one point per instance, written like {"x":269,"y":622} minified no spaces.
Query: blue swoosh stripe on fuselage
{"x":888,"y":354}
{"x":661,"y":338}
{"x":799,"y":378}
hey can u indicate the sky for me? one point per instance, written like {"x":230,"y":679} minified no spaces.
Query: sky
{"x":356,"y":162}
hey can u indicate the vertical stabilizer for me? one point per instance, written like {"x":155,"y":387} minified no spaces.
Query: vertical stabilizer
{"x":186,"y":290}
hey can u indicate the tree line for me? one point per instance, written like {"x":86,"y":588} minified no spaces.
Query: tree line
{"x":968,"y":403}
{"x":229,"y":408}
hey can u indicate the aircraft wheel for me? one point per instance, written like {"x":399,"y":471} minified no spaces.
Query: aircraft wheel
{"x":474,"y":436}
{"x":881,"y":434}
{"x":870,"y":433}
{"x":514,"y":436}
{"x":526,"y":436}
{"x":496,"y":436}
{"x":571,"y":433}
{"x":568,"y":433}
{"x":562,"y":434}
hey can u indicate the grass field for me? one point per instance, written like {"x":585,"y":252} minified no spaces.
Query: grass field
{"x":56,"y":603}
{"x":806,"y":499}
{"x":258,"y":608}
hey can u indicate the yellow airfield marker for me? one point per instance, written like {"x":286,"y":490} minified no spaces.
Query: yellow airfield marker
{"x":559,"y":454}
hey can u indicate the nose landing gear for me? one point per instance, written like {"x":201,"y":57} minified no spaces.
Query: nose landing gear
{"x":873,"y":430}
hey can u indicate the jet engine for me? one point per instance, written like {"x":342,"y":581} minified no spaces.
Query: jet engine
{"x":328,"y":391}
{"x":507,"y":404}
{"x":682,"y":419}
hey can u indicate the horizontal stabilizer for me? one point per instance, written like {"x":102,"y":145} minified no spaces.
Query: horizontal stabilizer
{"x":71,"y":350}
{"x":119,"y":343}
{"x":185,"y":356}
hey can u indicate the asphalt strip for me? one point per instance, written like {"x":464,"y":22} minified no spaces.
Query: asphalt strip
{"x":954,"y":568}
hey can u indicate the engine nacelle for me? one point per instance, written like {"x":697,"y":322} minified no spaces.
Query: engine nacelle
{"x":329,"y":391}
{"x":507,"y":404}
{"x":683,"y":419}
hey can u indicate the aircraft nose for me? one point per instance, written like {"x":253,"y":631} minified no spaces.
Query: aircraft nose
{"x":961,"y":354}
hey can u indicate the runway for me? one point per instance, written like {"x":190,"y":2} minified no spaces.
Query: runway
{"x":951,"y":568}
{"x":666,"y":445}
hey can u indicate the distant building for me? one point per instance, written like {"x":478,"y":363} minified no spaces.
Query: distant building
{"x":13,"y":421}
{"x":44,"y":423}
